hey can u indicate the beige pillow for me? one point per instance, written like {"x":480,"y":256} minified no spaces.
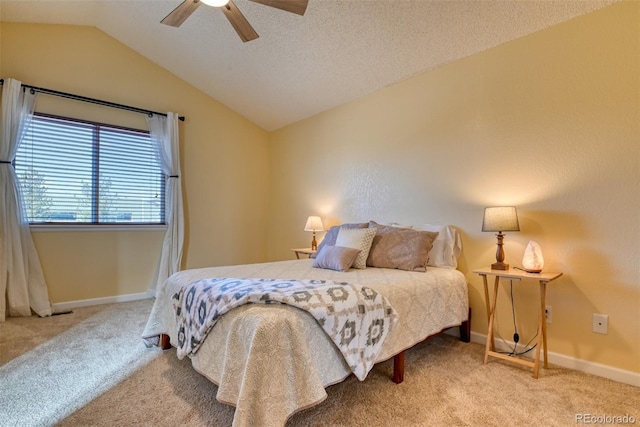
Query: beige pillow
{"x":357,"y":238}
{"x":400,"y":248}
{"x":335,"y":258}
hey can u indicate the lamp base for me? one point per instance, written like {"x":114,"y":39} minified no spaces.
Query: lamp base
{"x":499,"y":266}
{"x":533,"y":271}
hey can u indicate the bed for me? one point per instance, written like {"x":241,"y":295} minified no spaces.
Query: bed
{"x":271,"y":361}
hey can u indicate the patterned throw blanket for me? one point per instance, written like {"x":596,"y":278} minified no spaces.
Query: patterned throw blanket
{"x":356,"y":318}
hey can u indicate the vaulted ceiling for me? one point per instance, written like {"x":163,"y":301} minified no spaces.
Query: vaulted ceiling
{"x":338,"y":51}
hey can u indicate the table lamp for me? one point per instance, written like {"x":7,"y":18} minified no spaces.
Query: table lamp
{"x":500,"y":218}
{"x":314,"y":223}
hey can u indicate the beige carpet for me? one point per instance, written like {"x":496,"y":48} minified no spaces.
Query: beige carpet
{"x":89,"y":368}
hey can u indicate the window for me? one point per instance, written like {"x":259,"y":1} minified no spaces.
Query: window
{"x":78,"y":172}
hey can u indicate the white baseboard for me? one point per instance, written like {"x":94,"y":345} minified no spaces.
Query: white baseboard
{"x":65,"y":306}
{"x":569,"y":362}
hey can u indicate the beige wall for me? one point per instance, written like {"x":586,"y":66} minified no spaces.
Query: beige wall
{"x":549,"y":123}
{"x":224,"y":160}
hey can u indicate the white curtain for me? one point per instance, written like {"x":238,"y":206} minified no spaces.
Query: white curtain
{"x":22,"y":284}
{"x":164,"y":133}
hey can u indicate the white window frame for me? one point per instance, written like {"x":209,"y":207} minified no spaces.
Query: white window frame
{"x":101,"y":226}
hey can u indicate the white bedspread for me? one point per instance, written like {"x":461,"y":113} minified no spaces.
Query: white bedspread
{"x":272,"y":361}
{"x":355,"y":317}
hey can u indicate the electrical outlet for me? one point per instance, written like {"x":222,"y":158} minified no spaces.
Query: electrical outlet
{"x":601,"y":323}
{"x":547,"y":314}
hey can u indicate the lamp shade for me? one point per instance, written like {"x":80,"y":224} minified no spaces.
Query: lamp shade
{"x":314,"y":223}
{"x":500,"y":218}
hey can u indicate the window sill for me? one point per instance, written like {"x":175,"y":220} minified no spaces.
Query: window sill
{"x":38,"y":228}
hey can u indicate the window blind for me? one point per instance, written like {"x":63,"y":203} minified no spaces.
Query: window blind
{"x":77,"y":172}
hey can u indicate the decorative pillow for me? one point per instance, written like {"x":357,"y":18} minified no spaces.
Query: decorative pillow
{"x":401,"y":248}
{"x":446,"y":248}
{"x":358,"y":238}
{"x":398,"y":225}
{"x":336,"y":258}
{"x":332,"y":234}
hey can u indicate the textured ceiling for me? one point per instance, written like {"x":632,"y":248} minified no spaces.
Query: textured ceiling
{"x":338,"y":51}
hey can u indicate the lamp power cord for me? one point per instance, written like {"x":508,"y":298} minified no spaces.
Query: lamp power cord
{"x":516,"y":337}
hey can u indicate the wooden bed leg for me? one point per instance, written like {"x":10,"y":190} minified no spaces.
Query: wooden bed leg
{"x":465,"y":329}
{"x":164,"y":342}
{"x":398,"y":367}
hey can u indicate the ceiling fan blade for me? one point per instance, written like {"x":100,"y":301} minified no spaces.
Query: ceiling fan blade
{"x":181,"y":13}
{"x":294,"y":6}
{"x":239,"y":22}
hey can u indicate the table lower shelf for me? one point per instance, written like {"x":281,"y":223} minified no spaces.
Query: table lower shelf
{"x":514,"y":359}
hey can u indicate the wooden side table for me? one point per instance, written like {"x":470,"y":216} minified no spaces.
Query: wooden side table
{"x":512,"y":274}
{"x":304,"y":251}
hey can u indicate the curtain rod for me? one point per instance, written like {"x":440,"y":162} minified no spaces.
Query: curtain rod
{"x":91,"y":100}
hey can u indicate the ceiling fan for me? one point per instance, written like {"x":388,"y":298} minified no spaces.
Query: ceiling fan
{"x":233,"y":14}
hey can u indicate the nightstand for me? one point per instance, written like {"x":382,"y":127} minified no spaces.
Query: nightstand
{"x":304,"y":251}
{"x":513,"y":274}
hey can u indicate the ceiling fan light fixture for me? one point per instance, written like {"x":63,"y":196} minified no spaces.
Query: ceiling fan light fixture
{"x":215,"y":3}
{"x":233,"y":14}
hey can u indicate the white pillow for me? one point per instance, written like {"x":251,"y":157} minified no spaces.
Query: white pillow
{"x":357,"y":238}
{"x":446,"y":248}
